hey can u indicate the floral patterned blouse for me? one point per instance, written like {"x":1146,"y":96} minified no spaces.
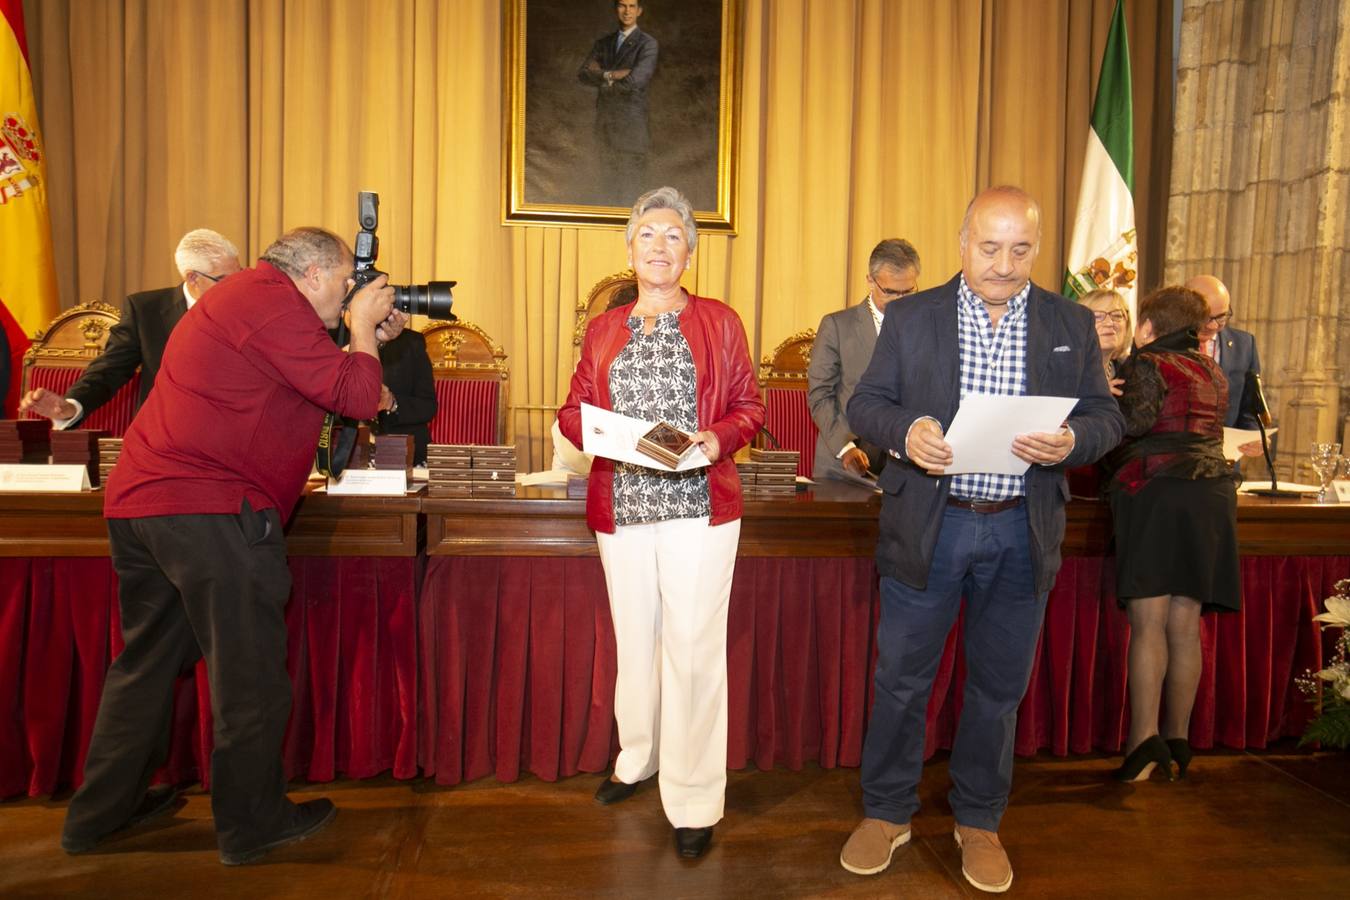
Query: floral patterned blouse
{"x":653,"y":378}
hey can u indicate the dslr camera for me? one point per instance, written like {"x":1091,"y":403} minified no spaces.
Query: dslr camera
{"x":432,"y":299}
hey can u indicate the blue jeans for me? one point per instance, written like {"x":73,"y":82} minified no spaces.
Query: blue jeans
{"x":986,"y":558}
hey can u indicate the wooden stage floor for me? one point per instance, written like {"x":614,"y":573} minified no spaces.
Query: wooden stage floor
{"x":1263,"y":825}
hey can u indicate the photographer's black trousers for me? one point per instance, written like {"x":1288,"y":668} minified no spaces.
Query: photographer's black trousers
{"x":212,"y":586}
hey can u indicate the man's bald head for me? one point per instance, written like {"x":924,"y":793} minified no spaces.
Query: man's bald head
{"x":1220,"y":303}
{"x":1000,"y":237}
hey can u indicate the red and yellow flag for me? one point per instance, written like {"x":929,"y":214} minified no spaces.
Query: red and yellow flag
{"x":27,"y":269}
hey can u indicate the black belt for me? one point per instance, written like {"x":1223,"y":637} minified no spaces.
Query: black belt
{"x":985,"y":506}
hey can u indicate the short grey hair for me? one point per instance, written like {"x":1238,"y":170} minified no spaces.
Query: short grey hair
{"x":1007,"y":191}
{"x":298,"y":249}
{"x":897,"y":253}
{"x":664,"y":198}
{"x":202,"y":250}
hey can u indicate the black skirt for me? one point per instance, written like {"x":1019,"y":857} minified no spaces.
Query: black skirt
{"x":1178,"y":536}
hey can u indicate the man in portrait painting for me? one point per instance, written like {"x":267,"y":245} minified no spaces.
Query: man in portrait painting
{"x":620,"y":66}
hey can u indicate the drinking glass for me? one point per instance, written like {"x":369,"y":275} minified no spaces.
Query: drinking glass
{"x":1326,"y":462}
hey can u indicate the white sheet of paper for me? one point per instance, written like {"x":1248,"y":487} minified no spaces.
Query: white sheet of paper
{"x":982,"y":433}
{"x":548,"y":476}
{"x":1236,"y":437}
{"x":614,"y":436}
{"x":1283,"y":485}
{"x":369,"y":483}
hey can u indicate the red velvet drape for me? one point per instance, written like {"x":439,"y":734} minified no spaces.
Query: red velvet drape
{"x":113,"y":417}
{"x":518,"y":664}
{"x":352,"y":657}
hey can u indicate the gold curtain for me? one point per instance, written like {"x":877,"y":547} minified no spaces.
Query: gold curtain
{"x":859,"y":120}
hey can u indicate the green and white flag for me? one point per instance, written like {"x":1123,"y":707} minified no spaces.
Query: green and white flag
{"x":1103,"y":252}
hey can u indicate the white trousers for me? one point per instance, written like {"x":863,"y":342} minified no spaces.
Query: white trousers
{"x":669,"y":588}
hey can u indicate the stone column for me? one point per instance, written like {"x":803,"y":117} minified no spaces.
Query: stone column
{"x":1260,"y":195}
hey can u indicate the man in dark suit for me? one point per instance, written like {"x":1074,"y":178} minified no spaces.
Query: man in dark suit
{"x":619,"y":66}
{"x":1233,"y":349}
{"x":839,"y":356}
{"x":408,"y":401}
{"x":203,"y":258}
{"x":992,"y":538}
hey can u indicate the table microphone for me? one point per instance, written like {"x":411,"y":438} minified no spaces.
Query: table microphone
{"x":1254,"y":402}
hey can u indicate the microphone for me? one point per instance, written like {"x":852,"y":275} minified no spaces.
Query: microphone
{"x":1254,"y":398}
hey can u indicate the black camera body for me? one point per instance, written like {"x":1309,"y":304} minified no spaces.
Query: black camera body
{"x":432,"y":299}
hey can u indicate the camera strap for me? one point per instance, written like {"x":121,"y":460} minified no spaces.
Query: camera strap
{"x":335,"y":442}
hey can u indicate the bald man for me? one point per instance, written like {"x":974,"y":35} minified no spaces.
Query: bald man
{"x":1233,"y":349}
{"x":994,"y":538}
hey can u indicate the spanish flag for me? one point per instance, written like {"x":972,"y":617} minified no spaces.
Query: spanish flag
{"x":27,"y":270}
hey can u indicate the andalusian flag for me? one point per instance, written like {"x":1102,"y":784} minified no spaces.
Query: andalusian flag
{"x":27,"y":272}
{"x":1103,"y":252}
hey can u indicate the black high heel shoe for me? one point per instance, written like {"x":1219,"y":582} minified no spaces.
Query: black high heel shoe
{"x":1139,"y":764}
{"x":1181,"y":753}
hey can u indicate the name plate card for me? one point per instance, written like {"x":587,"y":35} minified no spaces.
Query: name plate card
{"x":370,"y":483}
{"x":20,"y":478}
{"x":1342,"y":489}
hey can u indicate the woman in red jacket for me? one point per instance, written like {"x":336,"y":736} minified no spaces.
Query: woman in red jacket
{"x":1174,"y":510}
{"x":668,"y":539}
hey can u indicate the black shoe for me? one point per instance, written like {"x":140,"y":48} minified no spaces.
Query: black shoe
{"x":309,"y":818}
{"x":691,"y":843}
{"x":1143,"y":758}
{"x":157,"y":801}
{"x":1181,"y":753}
{"x":611,"y":791}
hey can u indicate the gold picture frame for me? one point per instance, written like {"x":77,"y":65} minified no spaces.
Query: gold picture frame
{"x":564,"y":159}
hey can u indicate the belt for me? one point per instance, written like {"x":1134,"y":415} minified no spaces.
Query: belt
{"x":985,"y":506}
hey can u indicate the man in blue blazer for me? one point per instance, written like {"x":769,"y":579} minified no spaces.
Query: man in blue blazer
{"x":1233,"y":349}
{"x":994,"y":539}
{"x":619,"y":66}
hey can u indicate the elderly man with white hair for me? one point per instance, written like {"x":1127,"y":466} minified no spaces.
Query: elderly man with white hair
{"x":203,"y":258}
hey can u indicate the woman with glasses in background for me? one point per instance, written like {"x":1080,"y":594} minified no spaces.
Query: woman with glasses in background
{"x":1114,"y":330}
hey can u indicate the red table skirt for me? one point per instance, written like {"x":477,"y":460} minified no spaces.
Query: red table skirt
{"x":517,"y":660}
{"x":352,"y":658}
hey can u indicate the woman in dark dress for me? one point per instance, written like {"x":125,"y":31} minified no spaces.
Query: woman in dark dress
{"x":1174,"y":508}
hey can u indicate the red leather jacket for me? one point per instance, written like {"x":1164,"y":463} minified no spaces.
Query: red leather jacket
{"x":728,"y":399}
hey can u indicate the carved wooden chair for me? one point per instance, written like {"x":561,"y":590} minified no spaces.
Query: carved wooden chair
{"x":471,"y":382}
{"x":782,"y":379}
{"x":59,"y":355}
{"x":610,"y":291}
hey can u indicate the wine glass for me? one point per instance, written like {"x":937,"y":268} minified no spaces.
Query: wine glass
{"x":1326,"y":462}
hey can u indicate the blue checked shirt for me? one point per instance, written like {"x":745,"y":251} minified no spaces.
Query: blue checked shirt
{"x":992,"y":362}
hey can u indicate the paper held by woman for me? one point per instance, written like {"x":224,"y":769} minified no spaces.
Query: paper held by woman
{"x":615,"y":436}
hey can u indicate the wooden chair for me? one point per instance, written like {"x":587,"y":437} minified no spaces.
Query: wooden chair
{"x":612,"y":290}
{"x":59,"y":355}
{"x":782,"y":380}
{"x":471,"y":380}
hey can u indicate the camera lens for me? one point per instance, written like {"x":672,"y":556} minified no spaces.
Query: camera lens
{"x":432,"y":299}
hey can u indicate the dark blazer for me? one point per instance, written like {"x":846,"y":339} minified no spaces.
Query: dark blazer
{"x":839,"y":356}
{"x":621,"y":107}
{"x":915,"y":372}
{"x":1237,"y":357}
{"x":138,"y":339}
{"x":407,"y":374}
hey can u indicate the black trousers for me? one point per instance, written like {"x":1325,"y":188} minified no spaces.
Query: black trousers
{"x":212,"y":586}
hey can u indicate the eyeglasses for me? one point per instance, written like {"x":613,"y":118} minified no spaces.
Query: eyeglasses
{"x":214,"y":279}
{"x":1114,"y":315}
{"x":1222,"y":318}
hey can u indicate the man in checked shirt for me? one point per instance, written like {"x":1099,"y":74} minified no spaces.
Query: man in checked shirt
{"x":993,"y":538}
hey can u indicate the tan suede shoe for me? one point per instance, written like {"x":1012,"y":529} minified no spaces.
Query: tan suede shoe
{"x":868,"y":850}
{"x":983,"y":860}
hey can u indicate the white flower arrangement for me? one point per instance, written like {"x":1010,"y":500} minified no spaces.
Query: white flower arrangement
{"x":1329,"y":688}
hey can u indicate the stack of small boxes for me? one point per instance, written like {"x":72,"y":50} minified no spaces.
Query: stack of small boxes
{"x":25,"y":440}
{"x":394,"y":451}
{"x":471,"y":470}
{"x":769,"y":474}
{"x":108,"y":451}
{"x":78,"y":447}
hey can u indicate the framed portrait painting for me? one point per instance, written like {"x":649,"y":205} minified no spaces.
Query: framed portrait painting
{"x":606,"y":99}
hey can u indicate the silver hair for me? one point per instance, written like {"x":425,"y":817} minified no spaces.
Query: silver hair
{"x":202,"y":250}
{"x":298,"y":249}
{"x":897,"y":253}
{"x":664,"y":198}
{"x":1011,"y":192}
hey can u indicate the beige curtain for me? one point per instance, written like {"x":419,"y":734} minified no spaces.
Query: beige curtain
{"x":859,"y":120}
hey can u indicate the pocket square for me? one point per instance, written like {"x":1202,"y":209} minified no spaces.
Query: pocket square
{"x":1063,"y":348}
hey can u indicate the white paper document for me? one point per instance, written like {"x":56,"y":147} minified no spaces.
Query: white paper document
{"x":614,"y":436}
{"x":982,"y":433}
{"x":1233,"y":438}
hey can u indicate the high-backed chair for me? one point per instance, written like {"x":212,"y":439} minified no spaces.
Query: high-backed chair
{"x":471,"y":379}
{"x":782,"y":379}
{"x":612,"y":290}
{"x":60,"y":354}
